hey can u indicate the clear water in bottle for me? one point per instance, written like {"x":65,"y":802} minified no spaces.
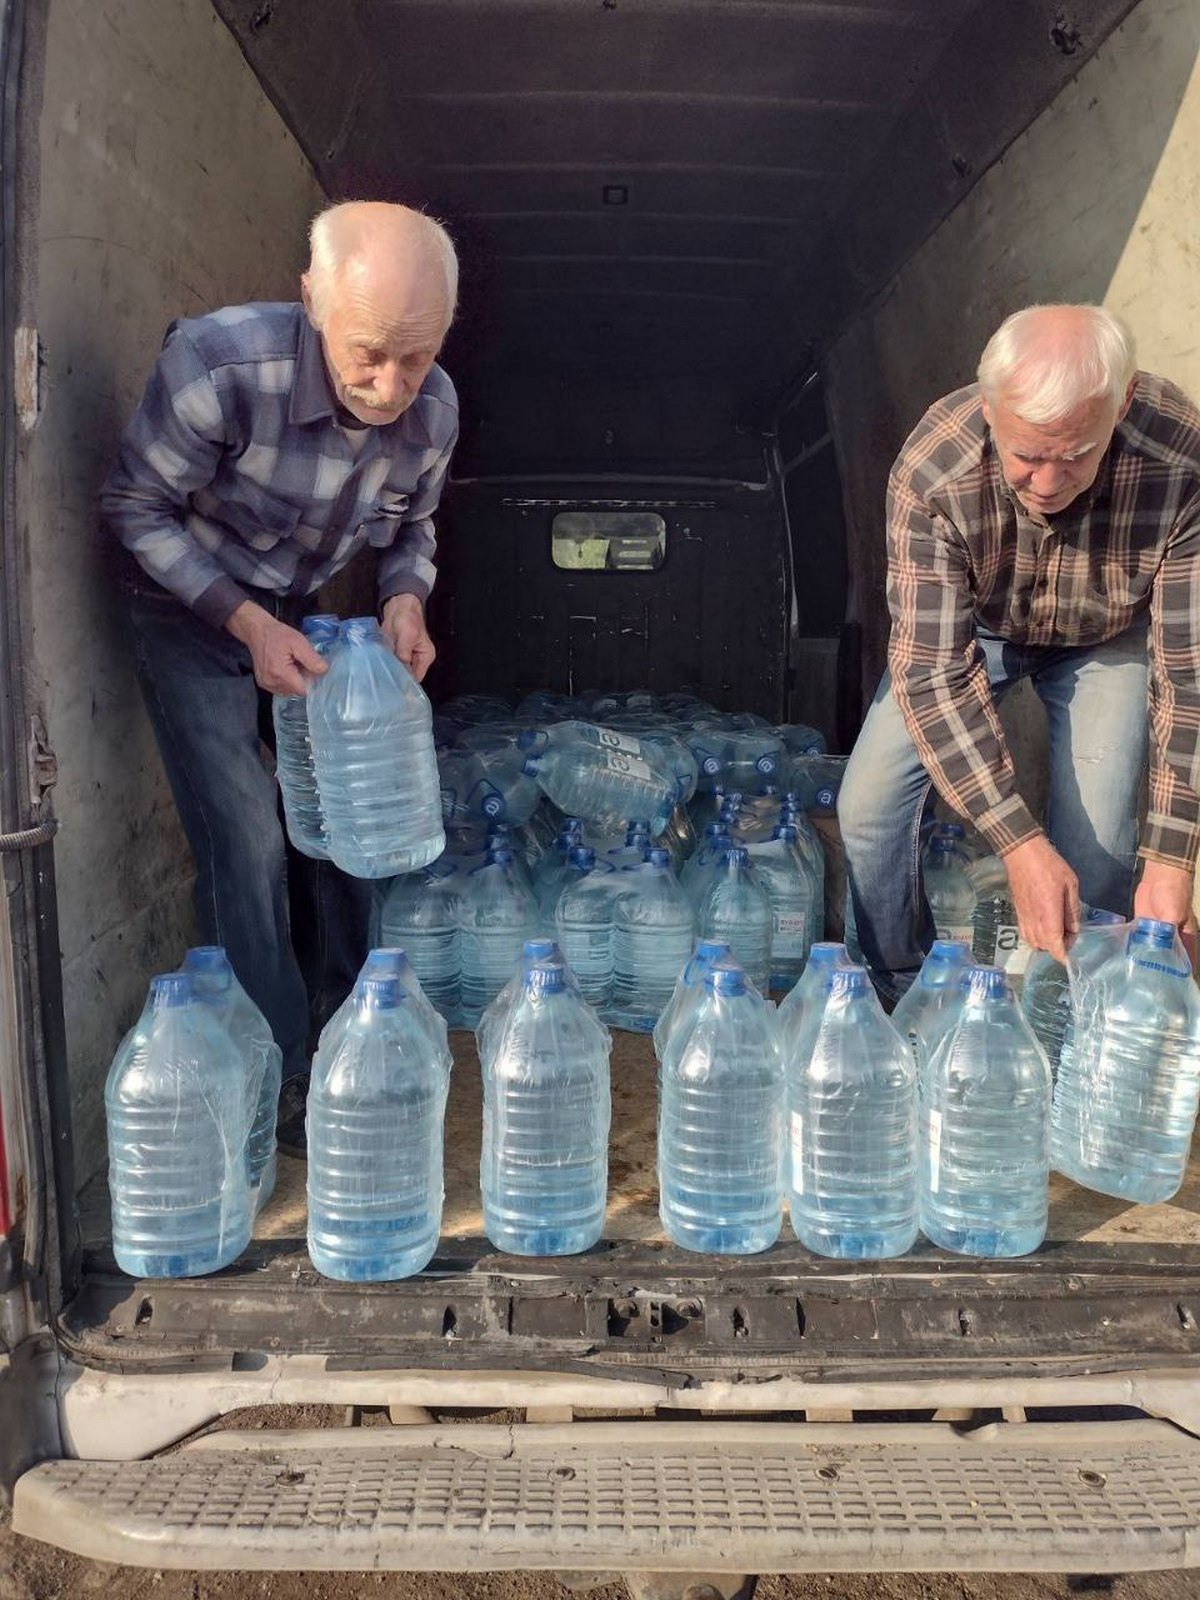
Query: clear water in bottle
{"x":948,"y":889}
{"x":852,"y":1126}
{"x":737,"y":910}
{"x":795,"y":1006}
{"x":420,"y":916}
{"x":702,"y":867}
{"x":390,"y":961}
{"x":985,"y":1114}
{"x":213,"y":980}
{"x":177,"y":1113}
{"x":1046,"y":994}
{"x":1129,"y":1075}
{"x":293,"y":753}
{"x":496,"y":916}
{"x":604,"y":786}
{"x":583,"y":921}
{"x":372,"y":743}
{"x":376,"y":1108}
{"x":932,"y":1001}
{"x":546,"y":1113}
{"x":720,"y":1123}
{"x":654,"y":928}
{"x":688,"y":993}
{"x":792,"y":888}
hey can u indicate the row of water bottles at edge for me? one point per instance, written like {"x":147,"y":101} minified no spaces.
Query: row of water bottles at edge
{"x":354,"y":756}
{"x":190,"y":1105}
{"x":625,"y":919}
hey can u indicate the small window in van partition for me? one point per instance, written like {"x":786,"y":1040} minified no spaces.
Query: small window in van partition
{"x":608,"y":541}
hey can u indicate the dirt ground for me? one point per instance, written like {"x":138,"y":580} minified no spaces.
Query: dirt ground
{"x":32,"y":1571}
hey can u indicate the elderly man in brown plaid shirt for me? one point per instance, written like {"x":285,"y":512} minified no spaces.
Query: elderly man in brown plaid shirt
{"x":1043,"y":523}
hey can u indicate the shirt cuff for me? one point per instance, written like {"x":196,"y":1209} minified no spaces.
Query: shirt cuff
{"x":219,"y":601}
{"x":1170,"y":840}
{"x":1007,"y":825}
{"x":403,"y":583}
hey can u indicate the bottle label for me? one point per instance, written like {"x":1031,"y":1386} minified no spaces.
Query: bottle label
{"x":824,"y":798}
{"x":956,"y":930}
{"x":798,"y":1151}
{"x":1012,"y":953}
{"x":765,"y":763}
{"x":618,"y":761}
{"x":789,"y":933}
{"x":935,"y":1151}
{"x":612,"y":740}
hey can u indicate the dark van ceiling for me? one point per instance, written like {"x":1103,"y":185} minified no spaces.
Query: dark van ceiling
{"x":664,"y":189}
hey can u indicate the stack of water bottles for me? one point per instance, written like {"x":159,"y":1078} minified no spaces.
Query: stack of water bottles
{"x":190,"y":1102}
{"x":355,"y":757}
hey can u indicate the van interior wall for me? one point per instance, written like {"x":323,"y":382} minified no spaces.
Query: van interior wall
{"x":1096,"y":201}
{"x":168,"y":186}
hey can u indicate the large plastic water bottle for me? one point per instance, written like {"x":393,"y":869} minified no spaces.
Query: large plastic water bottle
{"x":213,"y":980}
{"x":948,"y":889}
{"x":420,"y":915}
{"x":176,"y":1108}
{"x":852,"y":1122}
{"x":486,"y":782}
{"x":583,"y":921}
{"x":546,"y":1111}
{"x":720,"y":1123}
{"x":737,"y":910}
{"x":633,"y":852}
{"x":372,"y":744}
{"x":654,"y":928}
{"x":551,"y":870}
{"x":1129,"y":1075}
{"x":796,"y":912}
{"x":603,"y":785}
{"x":985,"y":1114}
{"x":688,"y":993}
{"x":496,"y":916}
{"x":390,"y":961}
{"x":293,"y":753}
{"x":701,"y":869}
{"x":932,"y":1001}
{"x":796,"y":1005}
{"x":376,"y":1107}
{"x":1046,"y":994}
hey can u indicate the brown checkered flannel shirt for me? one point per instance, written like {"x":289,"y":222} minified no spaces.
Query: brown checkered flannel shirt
{"x":962,"y":550}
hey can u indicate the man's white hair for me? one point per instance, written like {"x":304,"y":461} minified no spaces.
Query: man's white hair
{"x":334,"y":241}
{"x":1042,"y":373}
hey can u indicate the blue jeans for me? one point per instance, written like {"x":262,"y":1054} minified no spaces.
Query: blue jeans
{"x":1095,"y":699}
{"x":295,"y":929}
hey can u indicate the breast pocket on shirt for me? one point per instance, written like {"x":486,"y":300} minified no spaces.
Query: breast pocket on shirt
{"x":383,"y":518}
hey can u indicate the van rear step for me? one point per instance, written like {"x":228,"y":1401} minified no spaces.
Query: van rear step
{"x":718,"y":1497}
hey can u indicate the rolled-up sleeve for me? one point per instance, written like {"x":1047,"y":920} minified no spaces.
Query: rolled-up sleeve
{"x":1172,"y":830}
{"x":939,"y":675}
{"x":171,"y":448}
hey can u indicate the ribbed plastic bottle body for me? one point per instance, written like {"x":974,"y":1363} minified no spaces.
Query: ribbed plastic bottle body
{"x":604,"y":785}
{"x":1046,"y":994}
{"x":294,"y":758}
{"x":376,"y":1107}
{"x":546,"y":1112}
{"x":1129,"y":1076}
{"x":583,"y":922}
{"x":737,"y":912}
{"x":372,"y":741}
{"x":496,"y":916}
{"x":852,"y":1131}
{"x":420,"y":915}
{"x":782,"y":872}
{"x":654,"y":928}
{"x":933,"y":1000}
{"x":214,"y":981}
{"x":720,"y":1129}
{"x":949,"y":892}
{"x":985,"y":1112}
{"x":176,"y":1108}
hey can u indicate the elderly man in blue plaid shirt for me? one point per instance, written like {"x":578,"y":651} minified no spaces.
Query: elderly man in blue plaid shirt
{"x":274,"y":441}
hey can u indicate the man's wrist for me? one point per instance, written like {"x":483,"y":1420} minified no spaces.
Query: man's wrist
{"x":248,"y":622}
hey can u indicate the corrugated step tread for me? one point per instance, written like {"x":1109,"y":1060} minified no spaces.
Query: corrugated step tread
{"x":735,"y":1496}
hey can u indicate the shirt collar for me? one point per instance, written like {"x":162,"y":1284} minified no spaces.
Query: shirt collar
{"x":312,"y":397}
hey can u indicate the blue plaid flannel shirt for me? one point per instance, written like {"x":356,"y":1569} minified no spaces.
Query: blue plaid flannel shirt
{"x":236,"y":472}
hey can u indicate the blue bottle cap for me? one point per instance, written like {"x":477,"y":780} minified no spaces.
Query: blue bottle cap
{"x":827,"y":953}
{"x":985,"y":983}
{"x":710,"y":950}
{"x":206,"y":958}
{"x":716,"y":830}
{"x":171,"y":989}
{"x":530,"y":765}
{"x":949,"y":952}
{"x":498,"y":856}
{"x":636,"y":825}
{"x":385,"y":961}
{"x":789,"y":798}
{"x":737,"y":857}
{"x":359,"y":630}
{"x":532,"y":739}
{"x":383,"y":993}
{"x":539,"y":950}
{"x":845,"y":982}
{"x":726,"y":977}
{"x":658,"y":858}
{"x":1098,"y":918}
{"x":582,"y":855}
{"x":785,"y":831}
{"x":546,"y":977}
{"x":320,"y":629}
{"x":1151,"y":933}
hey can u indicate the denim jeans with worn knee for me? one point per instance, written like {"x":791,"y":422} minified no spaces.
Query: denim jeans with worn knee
{"x":295,"y":929}
{"x":1095,"y":698}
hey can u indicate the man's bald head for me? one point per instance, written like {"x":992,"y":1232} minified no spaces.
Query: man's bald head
{"x":1045,"y":362}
